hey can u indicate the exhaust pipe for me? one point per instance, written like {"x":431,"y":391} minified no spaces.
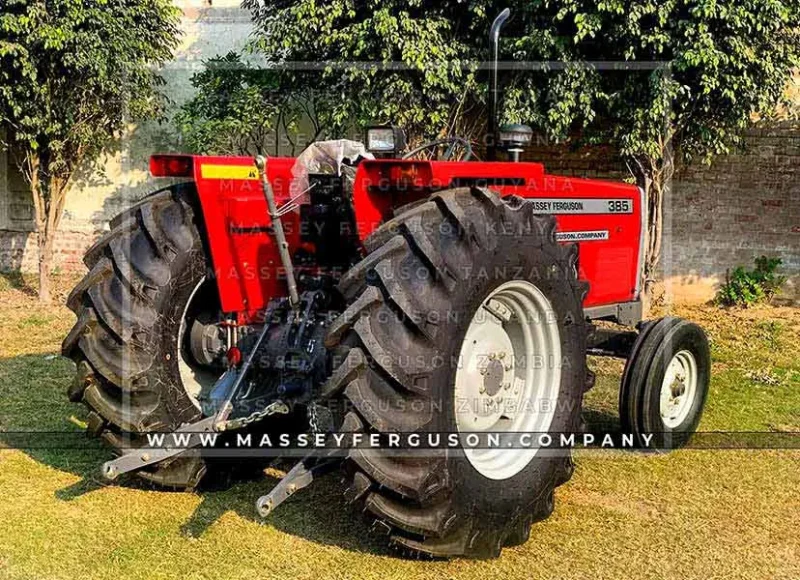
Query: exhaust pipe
{"x":494,"y":37}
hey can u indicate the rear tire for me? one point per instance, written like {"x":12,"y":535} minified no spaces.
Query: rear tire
{"x":125,"y":343}
{"x":412,"y":301}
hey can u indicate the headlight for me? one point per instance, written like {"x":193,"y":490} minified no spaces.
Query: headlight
{"x":385,"y":141}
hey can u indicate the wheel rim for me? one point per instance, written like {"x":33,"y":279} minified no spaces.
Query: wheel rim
{"x":197,"y":380}
{"x":678,"y":389}
{"x":509,"y":374}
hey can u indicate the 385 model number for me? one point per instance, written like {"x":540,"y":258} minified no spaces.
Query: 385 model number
{"x":619,"y":206}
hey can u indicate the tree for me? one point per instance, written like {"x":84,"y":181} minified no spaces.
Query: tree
{"x":304,"y":78}
{"x":240,"y":109}
{"x":74,"y":74}
{"x":664,"y":81}
{"x":712,"y":66}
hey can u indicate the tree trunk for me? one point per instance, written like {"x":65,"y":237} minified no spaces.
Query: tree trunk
{"x":655,"y":178}
{"x":49,"y":195}
{"x":45,"y":267}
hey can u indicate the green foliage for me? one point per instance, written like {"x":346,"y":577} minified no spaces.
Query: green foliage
{"x":747,"y":287}
{"x":240,"y":108}
{"x":236,"y":104}
{"x":691,"y":72}
{"x":74,"y":73}
{"x":660,"y":80}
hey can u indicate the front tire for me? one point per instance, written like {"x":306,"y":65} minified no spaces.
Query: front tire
{"x":413,"y":301}
{"x":665,"y":383}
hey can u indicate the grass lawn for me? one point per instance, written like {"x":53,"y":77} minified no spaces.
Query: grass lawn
{"x":698,"y":514}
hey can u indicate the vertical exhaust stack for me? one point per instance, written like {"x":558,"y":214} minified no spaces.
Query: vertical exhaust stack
{"x":494,"y":37}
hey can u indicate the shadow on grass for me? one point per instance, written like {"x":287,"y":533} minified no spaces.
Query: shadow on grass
{"x":86,"y":485}
{"x":15,"y":279}
{"x":600,"y":420}
{"x":317,"y":513}
{"x":33,"y":399}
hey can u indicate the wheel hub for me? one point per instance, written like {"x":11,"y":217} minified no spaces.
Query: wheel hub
{"x":199,"y":343}
{"x":678,"y":389}
{"x":509,"y":374}
{"x":207,"y":342}
{"x":493,"y":377}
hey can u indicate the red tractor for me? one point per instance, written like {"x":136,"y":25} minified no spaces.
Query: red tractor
{"x":389,"y":295}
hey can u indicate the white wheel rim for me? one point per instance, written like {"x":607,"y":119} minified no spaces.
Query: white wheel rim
{"x":509,"y":375}
{"x":194,"y":379}
{"x":678,"y":389}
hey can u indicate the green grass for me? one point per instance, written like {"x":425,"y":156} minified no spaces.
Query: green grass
{"x":689,"y":514}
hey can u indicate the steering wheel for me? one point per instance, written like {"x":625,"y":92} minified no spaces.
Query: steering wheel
{"x":451,"y":142}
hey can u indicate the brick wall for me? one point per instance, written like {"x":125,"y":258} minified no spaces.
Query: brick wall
{"x":18,"y":250}
{"x":745,"y":205}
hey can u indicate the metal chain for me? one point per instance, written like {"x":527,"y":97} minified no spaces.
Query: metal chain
{"x":274,"y":408}
{"x":313,"y":418}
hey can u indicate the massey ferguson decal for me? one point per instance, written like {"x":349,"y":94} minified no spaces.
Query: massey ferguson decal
{"x":589,"y":206}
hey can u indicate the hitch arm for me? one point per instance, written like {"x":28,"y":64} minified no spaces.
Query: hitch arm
{"x":300,"y":476}
{"x":139,"y":458}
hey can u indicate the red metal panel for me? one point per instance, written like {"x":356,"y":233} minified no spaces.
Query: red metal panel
{"x":246,"y":260}
{"x":610,"y":265}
